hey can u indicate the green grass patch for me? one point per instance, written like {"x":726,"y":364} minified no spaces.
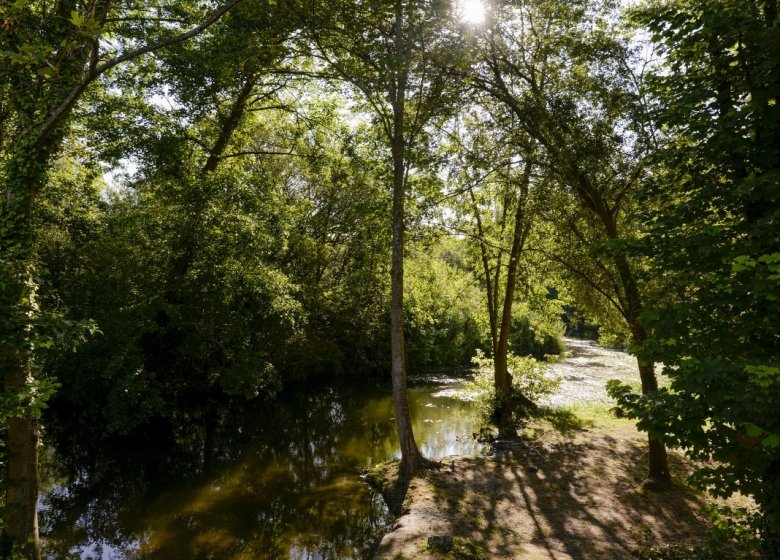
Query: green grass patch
{"x":578,"y":418}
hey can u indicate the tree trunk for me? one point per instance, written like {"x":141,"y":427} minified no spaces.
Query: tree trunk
{"x":591,"y":198}
{"x":23,"y":174}
{"x":503,"y":379}
{"x":411,"y":458}
{"x":658,"y":476}
{"x":40,"y":112}
{"x":229,"y":125}
{"x":21,"y":497}
{"x":658,"y":465}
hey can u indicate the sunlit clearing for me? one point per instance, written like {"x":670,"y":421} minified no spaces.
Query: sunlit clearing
{"x":471,"y":11}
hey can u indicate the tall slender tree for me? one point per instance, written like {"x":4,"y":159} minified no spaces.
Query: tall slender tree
{"x":560,"y":74}
{"x":386,"y":50}
{"x":496,"y":181}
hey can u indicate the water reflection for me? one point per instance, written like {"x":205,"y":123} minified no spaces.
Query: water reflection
{"x":280,"y":482}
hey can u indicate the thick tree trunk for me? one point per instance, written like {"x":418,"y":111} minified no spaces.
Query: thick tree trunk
{"x":18,"y":308}
{"x":40,"y":112}
{"x":21,"y":516}
{"x":658,"y":476}
{"x":23,"y":174}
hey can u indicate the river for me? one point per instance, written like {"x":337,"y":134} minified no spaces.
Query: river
{"x":274,"y":481}
{"x":280,"y":481}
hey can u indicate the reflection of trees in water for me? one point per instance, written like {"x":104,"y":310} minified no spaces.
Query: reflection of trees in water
{"x":227,"y":484}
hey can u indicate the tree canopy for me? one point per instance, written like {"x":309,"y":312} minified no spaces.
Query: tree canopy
{"x":204,"y":203}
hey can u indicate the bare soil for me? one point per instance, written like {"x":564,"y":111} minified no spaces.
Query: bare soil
{"x":559,"y":497}
{"x":569,"y":489}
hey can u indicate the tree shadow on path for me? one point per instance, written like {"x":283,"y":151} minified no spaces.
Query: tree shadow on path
{"x":577,"y":498}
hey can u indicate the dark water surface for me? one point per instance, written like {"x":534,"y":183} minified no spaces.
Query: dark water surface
{"x":278,"y":482}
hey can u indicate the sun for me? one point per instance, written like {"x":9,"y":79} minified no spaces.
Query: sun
{"x":471,"y":11}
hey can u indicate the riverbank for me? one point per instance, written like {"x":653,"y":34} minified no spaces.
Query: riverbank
{"x":571,"y":489}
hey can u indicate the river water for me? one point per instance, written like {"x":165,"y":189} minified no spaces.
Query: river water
{"x":280,"y":481}
{"x":276,"y":481}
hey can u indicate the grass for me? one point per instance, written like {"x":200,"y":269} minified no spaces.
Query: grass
{"x":577,"y":418}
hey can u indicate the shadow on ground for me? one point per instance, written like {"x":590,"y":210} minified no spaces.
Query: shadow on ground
{"x":567,"y":497}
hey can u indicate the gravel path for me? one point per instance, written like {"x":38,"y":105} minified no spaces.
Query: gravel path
{"x":585,"y":371}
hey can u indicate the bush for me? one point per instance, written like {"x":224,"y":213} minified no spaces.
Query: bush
{"x":525,"y":340}
{"x":445,"y":318}
{"x":530,"y":381}
{"x":734,"y":529}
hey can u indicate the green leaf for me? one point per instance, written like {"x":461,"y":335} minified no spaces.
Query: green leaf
{"x":772,"y":441}
{"x":76,"y":18}
{"x":753,"y":430}
{"x":770,"y":259}
{"x":743,"y":262}
{"x":764,"y":375}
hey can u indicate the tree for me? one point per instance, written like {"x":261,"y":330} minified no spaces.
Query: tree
{"x":713,"y":210}
{"x":446,"y":323}
{"x":560,"y":73}
{"x":52,"y":56}
{"x":384,"y":48}
{"x":497,"y":180}
{"x":340,"y":242}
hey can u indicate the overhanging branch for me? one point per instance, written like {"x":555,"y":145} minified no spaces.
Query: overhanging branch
{"x":96,"y":70}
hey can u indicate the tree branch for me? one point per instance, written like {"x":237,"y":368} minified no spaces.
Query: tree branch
{"x":95,"y":71}
{"x":262,"y":153}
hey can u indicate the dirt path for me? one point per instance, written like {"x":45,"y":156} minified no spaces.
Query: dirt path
{"x":571,"y":490}
{"x":566,"y":500}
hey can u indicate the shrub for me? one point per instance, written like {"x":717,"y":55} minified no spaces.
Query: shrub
{"x":530,"y":381}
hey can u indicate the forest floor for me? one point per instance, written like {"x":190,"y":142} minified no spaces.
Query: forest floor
{"x":570,"y":489}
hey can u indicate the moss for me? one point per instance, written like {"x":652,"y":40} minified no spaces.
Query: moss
{"x":465,"y":549}
{"x":459,"y":548}
{"x":379,"y":476}
{"x":386,"y":479}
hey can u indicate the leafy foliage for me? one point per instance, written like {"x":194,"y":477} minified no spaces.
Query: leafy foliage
{"x":446,"y":321}
{"x":201,"y":223}
{"x":537,"y":328}
{"x":732,"y":531}
{"x":714,"y":209}
{"x":531,"y":381}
